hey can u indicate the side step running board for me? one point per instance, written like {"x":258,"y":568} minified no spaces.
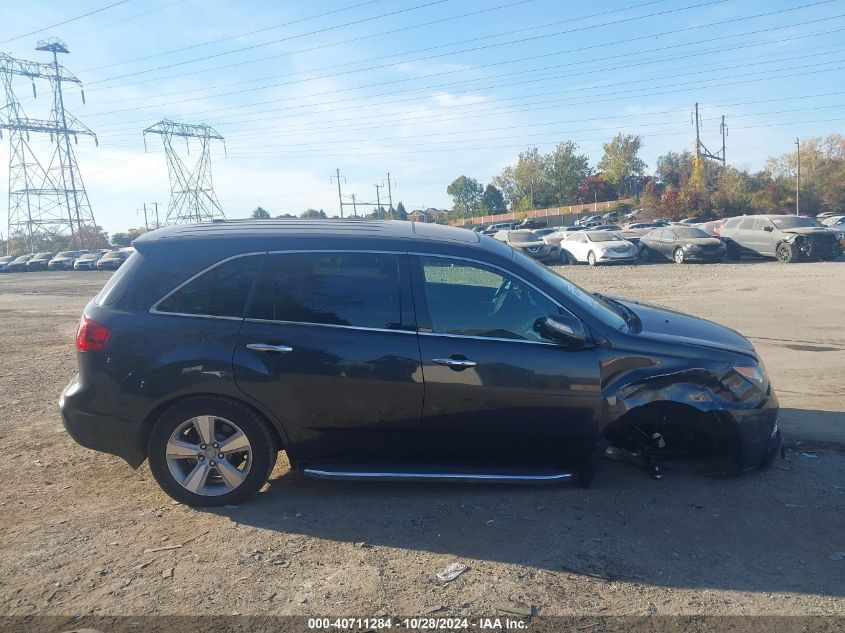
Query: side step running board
{"x":459,"y":474}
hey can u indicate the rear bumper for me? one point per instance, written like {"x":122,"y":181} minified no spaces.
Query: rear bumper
{"x":100,"y":433}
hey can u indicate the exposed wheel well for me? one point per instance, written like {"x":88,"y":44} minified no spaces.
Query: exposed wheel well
{"x":155,"y":414}
{"x":674,"y":429}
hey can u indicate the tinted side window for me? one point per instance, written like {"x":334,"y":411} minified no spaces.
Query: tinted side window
{"x":220,"y":291}
{"x":747,"y":224}
{"x":357,"y":289}
{"x":466,"y":298}
{"x":119,"y":280}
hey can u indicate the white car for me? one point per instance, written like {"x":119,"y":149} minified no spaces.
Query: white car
{"x":599,"y":247}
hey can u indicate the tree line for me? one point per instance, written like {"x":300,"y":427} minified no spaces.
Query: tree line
{"x":681,"y":185}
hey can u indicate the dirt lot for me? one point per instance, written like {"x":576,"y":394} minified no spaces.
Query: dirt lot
{"x":82,"y":533}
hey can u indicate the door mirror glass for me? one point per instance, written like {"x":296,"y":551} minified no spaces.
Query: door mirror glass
{"x":768,"y":228}
{"x":562,"y":329}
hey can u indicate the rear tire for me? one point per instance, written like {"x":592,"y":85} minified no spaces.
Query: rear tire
{"x":246,"y":470}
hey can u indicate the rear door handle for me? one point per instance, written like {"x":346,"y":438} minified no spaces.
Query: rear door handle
{"x":454,"y":362}
{"x":266,"y":347}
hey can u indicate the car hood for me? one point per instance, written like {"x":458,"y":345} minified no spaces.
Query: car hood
{"x":668,"y":326}
{"x":810,"y":230}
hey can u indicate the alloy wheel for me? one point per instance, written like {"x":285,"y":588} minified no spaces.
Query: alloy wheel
{"x":678,"y":256}
{"x":209,"y":455}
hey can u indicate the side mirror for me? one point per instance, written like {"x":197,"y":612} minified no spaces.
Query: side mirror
{"x":567,"y":330}
{"x":768,"y":229}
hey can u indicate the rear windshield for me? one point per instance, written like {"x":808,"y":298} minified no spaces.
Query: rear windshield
{"x":795,"y":223}
{"x":527,"y":236}
{"x":688,"y":234}
{"x":119,"y":280}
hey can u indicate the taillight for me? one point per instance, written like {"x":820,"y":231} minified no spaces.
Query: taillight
{"x":91,"y":336}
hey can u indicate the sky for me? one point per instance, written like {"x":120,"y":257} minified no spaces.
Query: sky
{"x":426,"y":90}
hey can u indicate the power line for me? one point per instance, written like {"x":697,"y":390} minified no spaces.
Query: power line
{"x":231,"y":37}
{"x":68,"y":21}
{"x":284,"y":39}
{"x":573,"y":50}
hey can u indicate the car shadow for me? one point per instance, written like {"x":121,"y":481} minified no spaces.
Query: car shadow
{"x":691,"y":529}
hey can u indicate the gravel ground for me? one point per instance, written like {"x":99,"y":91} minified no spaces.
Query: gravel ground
{"x":82,"y":533}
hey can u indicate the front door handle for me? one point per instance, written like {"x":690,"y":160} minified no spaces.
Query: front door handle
{"x":455,"y":363}
{"x":266,"y":347}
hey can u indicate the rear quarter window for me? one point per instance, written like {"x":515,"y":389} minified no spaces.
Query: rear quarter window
{"x":118,"y":282}
{"x":221,"y":291}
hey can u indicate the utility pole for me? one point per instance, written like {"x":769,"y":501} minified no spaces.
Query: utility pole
{"x":146,"y":223}
{"x":155,"y":204}
{"x":389,"y":191}
{"x":339,"y":194}
{"x":354,"y":206}
{"x":700,"y":150}
{"x":378,"y":201}
{"x":798,"y":175}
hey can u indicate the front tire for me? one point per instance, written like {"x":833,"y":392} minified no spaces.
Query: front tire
{"x":591,"y":258}
{"x":678,"y":256}
{"x":785,"y":253}
{"x":211,"y":451}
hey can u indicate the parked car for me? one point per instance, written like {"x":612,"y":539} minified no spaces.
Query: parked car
{"x":833,"y":220}
{"x":555,"y":238}
{"x":598,"y":247}
{"x":392,"y":351}
{"x":530,"y":224}
{"x":5,"y":261}
{"x":633,"y":232}
{"x":693,"y":220}
{"x":87,"y":261}
{"x":18,"y":264}
{"x":531,"y":244}
{"x":712,"y":228}
{"x":681,"y":244}
{"x":587,"y":220}
{"x":39,"y":261}
{"x":607,"y":227}
{"x":542,"y":233}
{"x":610,"y":218}
{"x":64,"y":260}
{"x":112,"y":260}
{"x":787,"y":238}
{"x":499,"y":226}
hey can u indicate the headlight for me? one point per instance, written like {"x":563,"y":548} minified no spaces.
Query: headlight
{"x":740,"y":379}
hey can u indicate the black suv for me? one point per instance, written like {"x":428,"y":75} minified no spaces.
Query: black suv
{"x":394,"y":351}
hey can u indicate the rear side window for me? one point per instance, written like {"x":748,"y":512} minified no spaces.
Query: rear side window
{"x":220,"y":291}
{"x":747,"y":224}
{"x":353,"y":289}
{"x":119,"y":280}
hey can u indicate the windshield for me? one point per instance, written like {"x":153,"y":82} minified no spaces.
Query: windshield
{"x":41,"y":255}
{"x":603,"y":236}
{"x":23,"y":258}
{"x":523,"y":236}
{"x":66,"y":254}
{"x":89,"y":256}
{"x":795,"y":222}
{"x":113,"y":255}
{"x":6,"y":258}
{"x":580,"y":297}
{"x":690,"y":234}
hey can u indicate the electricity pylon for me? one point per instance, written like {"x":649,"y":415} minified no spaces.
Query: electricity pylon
{"x":48,"y":204}
{"x":192,"y":197}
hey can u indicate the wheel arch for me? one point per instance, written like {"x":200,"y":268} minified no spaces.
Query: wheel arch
{"x":149,"y":420}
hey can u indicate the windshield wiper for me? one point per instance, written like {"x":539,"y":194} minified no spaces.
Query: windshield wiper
{"x":630,"y":317}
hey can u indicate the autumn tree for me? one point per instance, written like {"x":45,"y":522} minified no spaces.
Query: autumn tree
{"x":621,"y":162}
{"x":466,"y":193}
